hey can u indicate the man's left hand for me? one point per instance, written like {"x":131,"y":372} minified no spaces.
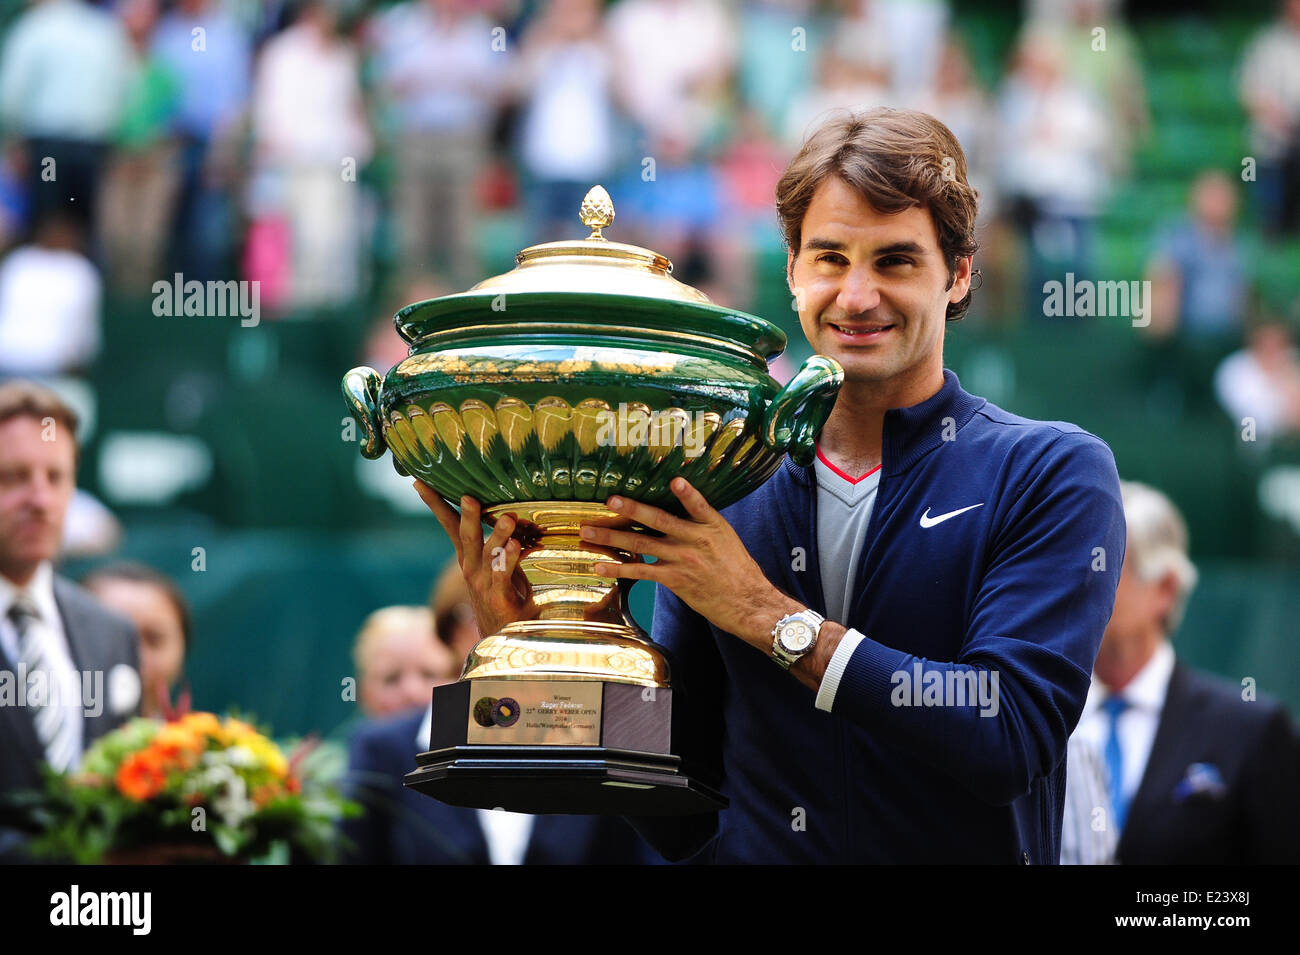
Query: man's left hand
{"x":702,"y":560}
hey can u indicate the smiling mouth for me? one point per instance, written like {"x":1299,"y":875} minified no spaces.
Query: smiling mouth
{"x":862,"y":332}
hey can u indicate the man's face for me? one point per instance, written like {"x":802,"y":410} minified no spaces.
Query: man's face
{"x":37,"y":480}
{"x":1141,"y":608}
{"x":873,"y":290}
{"x":403,"y":668}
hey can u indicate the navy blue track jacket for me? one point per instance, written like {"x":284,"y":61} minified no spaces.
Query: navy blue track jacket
{"x":1022,"y":585}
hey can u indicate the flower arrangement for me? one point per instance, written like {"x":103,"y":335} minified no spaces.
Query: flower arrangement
{"x":196,"y":783}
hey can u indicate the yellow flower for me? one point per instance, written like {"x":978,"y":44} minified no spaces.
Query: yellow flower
{"x":277,"y":764}
{"x":269,"y":755}
{"x":237,"y":731}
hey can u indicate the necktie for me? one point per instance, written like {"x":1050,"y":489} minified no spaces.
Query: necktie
{"x":53,"y":728}
{"x":1113,"y":707}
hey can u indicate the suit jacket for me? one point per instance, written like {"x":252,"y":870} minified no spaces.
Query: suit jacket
{"x":404,"y":827}
{"x":1222,"y":784}
{"x":98,"y":641}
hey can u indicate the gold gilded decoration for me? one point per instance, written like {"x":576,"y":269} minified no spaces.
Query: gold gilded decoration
{"x":590,"y":414}
{"x":515,"y":421}
{"x":552,"y":417}
{"x":580,"y":632}
{"x":456,"y":365}
{"x":593,"y":264}
{"x":484,"y":369}
{"x":480,"y":422}
{"x":588,"y":446}
{"x":596,"y":211}
{"x":559,"y":650}
{"x":727,"y":436}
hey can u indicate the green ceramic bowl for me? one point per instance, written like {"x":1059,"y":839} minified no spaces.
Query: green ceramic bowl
{"x":574,"y":396}
{"x":585,"y":371}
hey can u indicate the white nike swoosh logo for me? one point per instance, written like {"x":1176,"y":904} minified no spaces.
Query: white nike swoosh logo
{"x":928,"y":521}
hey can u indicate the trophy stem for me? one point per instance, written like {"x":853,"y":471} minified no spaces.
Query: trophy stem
{"x":583,"y":631}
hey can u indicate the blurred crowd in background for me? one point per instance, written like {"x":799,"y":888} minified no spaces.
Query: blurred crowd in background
{"x":352,"y":156}
{"x":344,"y":153}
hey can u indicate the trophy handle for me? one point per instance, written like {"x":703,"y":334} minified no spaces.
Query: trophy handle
{"x":797,"y":413}
{"x":361,"y":391}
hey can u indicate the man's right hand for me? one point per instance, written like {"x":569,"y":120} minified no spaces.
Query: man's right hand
{"x":498,"y":588}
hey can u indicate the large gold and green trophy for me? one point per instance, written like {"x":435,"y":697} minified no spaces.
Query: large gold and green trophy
{"x":586,"y":371}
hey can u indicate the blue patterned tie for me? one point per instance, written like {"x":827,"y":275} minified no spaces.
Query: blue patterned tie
{"x":1114,"y":706}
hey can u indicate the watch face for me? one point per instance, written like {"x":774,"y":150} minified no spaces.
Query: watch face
{"x":796,"y":636}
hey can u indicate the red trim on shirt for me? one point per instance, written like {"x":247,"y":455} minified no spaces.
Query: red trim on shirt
{"x":852,"y":480}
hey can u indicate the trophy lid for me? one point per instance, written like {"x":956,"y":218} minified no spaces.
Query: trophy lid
{"x":593,"y":264}
{"x":590,"y":286}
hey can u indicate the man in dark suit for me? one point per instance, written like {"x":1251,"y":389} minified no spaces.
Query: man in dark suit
{"x":1193,"y":768}
{"x":68,"y":667}
{"x":404,"y":827}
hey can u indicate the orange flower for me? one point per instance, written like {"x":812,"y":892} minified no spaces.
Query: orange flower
{"x":265,"y":793}
{"x":293,"y":785}
{"x":140,"y":776}
{"x":177,"y":745}
{"x":204,"y":723}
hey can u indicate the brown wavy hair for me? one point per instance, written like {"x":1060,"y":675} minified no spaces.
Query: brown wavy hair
{"x":896,"y":159}
{"x":20,"y":397}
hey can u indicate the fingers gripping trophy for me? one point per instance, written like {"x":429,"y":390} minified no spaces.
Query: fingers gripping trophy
{"x":527,"y":402}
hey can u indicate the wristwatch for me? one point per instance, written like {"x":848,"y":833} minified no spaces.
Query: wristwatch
{"x":794,"y":637}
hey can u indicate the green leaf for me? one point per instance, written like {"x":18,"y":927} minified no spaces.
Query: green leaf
{"x":228,"y":840}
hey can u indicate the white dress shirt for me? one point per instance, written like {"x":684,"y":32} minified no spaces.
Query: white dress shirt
{"x":507,"y":835}
{"x":1137,"y":725}
{"x":65,"y":680}
{"x":1087,"y":836}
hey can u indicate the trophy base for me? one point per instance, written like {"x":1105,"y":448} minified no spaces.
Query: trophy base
{"x":559,"y":746}
{"x":550,"y":779}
